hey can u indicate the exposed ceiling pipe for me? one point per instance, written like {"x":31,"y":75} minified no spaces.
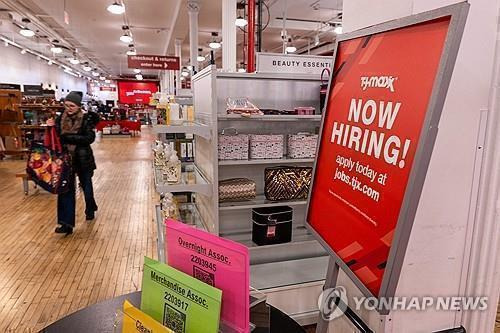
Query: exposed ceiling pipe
{"x":251,"y":37}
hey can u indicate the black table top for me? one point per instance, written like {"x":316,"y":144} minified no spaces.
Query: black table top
{"x":101,"y":317}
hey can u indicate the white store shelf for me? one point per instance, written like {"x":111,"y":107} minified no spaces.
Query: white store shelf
{"x":188,"y":128}
{"x":269,"y":117}
{"x":191,"y":181}
{"x":259,"y":201}
{"x":300,"y":234}
{"x":267,"y":161}
{"x":195,"y":221}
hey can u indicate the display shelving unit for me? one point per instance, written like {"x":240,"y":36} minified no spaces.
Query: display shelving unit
{"x":282,"y":271}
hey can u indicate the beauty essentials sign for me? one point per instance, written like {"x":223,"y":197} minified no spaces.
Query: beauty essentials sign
{"x":292,"y":63}
{"x":218,"y":262}
{"x":378,"y":131}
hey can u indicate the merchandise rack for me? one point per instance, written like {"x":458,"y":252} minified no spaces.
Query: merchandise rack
{"x":294,"y":269}
{"x":282,"y":271}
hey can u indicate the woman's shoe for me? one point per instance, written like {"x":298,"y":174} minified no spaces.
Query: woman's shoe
{"x":64,"y":229}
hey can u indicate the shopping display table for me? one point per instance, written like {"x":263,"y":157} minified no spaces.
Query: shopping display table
{"x":101,"y":317}
{"x":133,"y":126}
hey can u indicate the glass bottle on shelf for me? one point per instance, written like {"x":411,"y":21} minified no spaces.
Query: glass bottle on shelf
{"x":172,"y":170}
{"x":169,"y":207}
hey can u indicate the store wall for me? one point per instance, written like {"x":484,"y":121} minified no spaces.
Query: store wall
{"x":26,"y":69}
{"x":436,"y":261}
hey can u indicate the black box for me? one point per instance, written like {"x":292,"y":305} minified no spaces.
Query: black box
{"x":272,"y":225}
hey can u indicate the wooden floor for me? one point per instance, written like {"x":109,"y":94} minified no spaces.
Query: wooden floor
{"x":45,"y":276}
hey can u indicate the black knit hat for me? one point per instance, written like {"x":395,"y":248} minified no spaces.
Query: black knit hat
{"x":75,"y":97}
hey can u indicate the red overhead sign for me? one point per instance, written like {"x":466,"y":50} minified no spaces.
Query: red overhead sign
{"x":136,"y":92}
{"x":154,"y":62}
{"x":378,"y":102}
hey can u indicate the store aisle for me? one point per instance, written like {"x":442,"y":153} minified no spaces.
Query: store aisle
{"x":45,"y":276}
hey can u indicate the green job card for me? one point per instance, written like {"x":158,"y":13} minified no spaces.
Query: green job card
{"x":179,"y":301}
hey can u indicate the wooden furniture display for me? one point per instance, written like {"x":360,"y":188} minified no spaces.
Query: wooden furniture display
{"x":10,"y":118}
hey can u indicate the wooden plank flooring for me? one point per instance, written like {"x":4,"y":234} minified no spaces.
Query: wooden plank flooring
{"x":45,"y":276}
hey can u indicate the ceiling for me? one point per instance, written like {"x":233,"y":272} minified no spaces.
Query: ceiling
{"x":155,"y":24}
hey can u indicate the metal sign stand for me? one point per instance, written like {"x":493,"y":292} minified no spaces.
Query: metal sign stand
{"x":330,"y":282}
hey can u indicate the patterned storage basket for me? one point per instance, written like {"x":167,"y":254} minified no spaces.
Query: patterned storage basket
{"x":233,"y":146}
{"x":302,"y":145}
{"x":237,"y":189}
{"x":266,"y":146}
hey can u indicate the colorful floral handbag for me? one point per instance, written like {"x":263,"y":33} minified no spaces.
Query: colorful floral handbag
{"x":48,"y":166}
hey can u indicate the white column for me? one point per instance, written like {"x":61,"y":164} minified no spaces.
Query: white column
{"x":178,"y":53}
{"x":193,"y":8}
{"x":229,"y":35}
{"x":171,"y":82}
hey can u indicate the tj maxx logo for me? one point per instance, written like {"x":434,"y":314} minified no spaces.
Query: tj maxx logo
{"x":378,"y":82}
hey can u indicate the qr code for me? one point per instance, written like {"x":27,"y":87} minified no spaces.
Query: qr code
{"x":204,"y":276}
{"x":174,"y":319}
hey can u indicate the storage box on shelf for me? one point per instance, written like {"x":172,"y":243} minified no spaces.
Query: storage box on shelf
{"x":234,"y":219}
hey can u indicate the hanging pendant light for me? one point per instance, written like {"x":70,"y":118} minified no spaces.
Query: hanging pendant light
{"x":116,"y":8}
{"x":240,"y":22}
{"x":27,"y":32}
{"x":214,"y":44}
{"x":200,"y":56}
{"x":290,"y":48}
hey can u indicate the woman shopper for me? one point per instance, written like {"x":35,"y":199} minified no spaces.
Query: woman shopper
{"x":76,"y":132}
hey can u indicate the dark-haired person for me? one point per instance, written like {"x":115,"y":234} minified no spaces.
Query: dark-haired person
{"x":76,"y":131}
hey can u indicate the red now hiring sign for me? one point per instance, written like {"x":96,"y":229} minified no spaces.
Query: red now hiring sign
{"x":378,"y":129}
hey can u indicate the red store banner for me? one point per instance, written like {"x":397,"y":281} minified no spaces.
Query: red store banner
{"x":142,"y":61}
{"x":377,"y":106}
{"x":136,"y":92}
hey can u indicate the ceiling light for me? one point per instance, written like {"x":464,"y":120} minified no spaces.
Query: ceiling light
{"x":87,"y":68}
{"x":316,"y":40}
{"x":132,"y":52}
{"x":27,"y":32}
{"x":200,"y":58}
{"x":74,"y":60}
{"x":107,"y":81}
{"x":338,"y":30}
{"x":137,"y":70}
{"x":185,"y":74}
{"x":94,"y":73}
{"x":116,"y":8}
{"x":102,"y":78}
{"x":214,"y":44}
{"x":50,"y":62}
{"x":139,"y":77}
{"x":290,"y":48}
{"x":182,"y":78}
{"x":23,"y":51}
{"x":56,"y":49}
{"x":126,"y":38}
{"x":241,"y":22}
